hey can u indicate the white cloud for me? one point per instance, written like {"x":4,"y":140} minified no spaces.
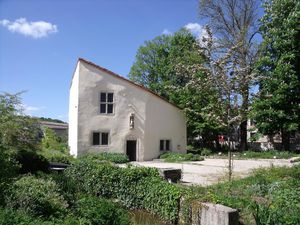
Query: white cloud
{"x":197,"y":30}
{"x":29,"y":109}
{"x":38,"y":29}
{"x":166,"y":32}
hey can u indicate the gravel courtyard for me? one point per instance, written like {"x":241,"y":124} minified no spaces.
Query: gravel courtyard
{"x":211,"y":171}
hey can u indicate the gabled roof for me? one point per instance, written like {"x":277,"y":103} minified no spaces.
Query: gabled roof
{"x":124,"y":79}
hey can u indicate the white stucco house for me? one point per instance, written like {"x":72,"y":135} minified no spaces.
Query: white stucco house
{"x":110,"y":113}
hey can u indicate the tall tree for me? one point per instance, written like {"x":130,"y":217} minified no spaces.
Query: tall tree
{"x":172,"y":67}
{"x":277,"y":107}
{"x":234,"y":24}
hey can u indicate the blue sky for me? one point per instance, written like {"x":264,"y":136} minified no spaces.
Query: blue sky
{"x":40,"y":57}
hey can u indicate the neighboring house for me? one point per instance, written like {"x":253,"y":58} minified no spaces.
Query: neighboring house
{"x":61,"y":129}
{"x":258,"y":141}
{"x":110,"y":113}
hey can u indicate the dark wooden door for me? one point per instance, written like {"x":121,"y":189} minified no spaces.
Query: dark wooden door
{"x":131,"y":150}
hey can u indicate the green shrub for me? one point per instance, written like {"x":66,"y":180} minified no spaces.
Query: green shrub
{"x":31,"y":162}
{"x":19,"y":217}
{"x":206,"y":151}
{"x":36,"y":196}
{"x":135,"y":188}
{"x":107,"y":156}
{"x":8,"y":169}
{"x":98,"y":211}
{"x":269,"y":196}
{"x":179,"y":157}
{"x":57,"y":156}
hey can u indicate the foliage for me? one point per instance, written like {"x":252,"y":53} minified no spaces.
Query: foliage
{"x":50,"y":120}
{"x":135,"y":188}
{"x":168,"y":65}
{"x":9,"y":169}
{"x":276,"y":108}
{"x":57,"y":156}
{"x":51,"y":142}
{"x":251,"y":154}
{"x":17,"y":132}
{"x":99,"y":211}
{"x":262,"y":197}
{"x":179,"y":157}
{"x":107,"y":156}
{"x":31,"y":162}
{"x":233,"y":54}
{"x":37,"y":197}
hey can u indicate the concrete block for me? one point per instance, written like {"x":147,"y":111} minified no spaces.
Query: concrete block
{"x":170,"y":174}
{"x":215,"y":214}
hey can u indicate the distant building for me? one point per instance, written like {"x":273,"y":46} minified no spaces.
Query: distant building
{"x":61,"y":129}
{"x":257,"y":141}
{"x":110,"y":113}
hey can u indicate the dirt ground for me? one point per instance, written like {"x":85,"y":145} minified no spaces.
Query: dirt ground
{"x":211,"y":171}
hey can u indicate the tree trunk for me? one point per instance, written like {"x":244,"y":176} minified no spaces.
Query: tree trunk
{"x":243,"y":136}
{"x":285,"y":140}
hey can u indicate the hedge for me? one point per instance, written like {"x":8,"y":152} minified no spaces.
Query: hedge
{"x":38,"y":197}
{"x":134,"y":187}
{"x":106,"y":156}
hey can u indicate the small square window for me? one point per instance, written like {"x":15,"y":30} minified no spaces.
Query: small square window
{"x":106,"y":103}
{"x":100,"y":138}
{"x":165,"y":145}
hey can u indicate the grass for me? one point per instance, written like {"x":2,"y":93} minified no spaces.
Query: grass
{"x":269,"y":196}
{"x":179,"y":157}
{"x":259,"y":155}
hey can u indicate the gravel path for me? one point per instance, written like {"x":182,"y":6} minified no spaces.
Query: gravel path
{"x":211,"y":171}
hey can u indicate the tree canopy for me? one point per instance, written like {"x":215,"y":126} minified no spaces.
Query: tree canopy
{"x":277,"y":107}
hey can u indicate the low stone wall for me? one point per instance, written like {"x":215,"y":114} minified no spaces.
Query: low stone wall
{"x":199,"y":213}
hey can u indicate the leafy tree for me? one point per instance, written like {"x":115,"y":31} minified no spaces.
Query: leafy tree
{"x":277,"y":107}
{"x":51,"y":141}
{"x":17,"y":131}
{"x":234,"y":24}
{"x":170,"y":65}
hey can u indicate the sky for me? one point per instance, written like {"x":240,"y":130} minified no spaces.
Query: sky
{"x":41,"y":40}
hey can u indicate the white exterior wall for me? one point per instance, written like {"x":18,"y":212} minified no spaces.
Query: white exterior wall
{"x":154,"y":118}
{"x":164,"y":122}
{"x":73,"y":113}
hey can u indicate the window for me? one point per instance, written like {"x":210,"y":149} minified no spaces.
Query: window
{"x":164,"y":145}
{"x":106,"y":102}
{"x":100,"y":138}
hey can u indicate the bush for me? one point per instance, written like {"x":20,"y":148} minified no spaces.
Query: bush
{"x":135,"y":188}
{"x":269,"y":196}
{"x":179,"y":157}
{"x":107,"y":156}
{"x":36,"y":196}
{"x":206,"y":151}
{"x":98,"y":211}
{"x":19,"y":217}
{"x":31,"y":162}
{"x":57,"y":156}
{"x":9,"y":169}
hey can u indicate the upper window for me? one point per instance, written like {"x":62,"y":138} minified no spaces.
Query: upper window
{"x":164,"y":145}
{"x":100,"y":138}
{"x":106,"y":103}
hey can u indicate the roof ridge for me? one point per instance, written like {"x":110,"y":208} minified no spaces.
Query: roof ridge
{"x":127,"y":80}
